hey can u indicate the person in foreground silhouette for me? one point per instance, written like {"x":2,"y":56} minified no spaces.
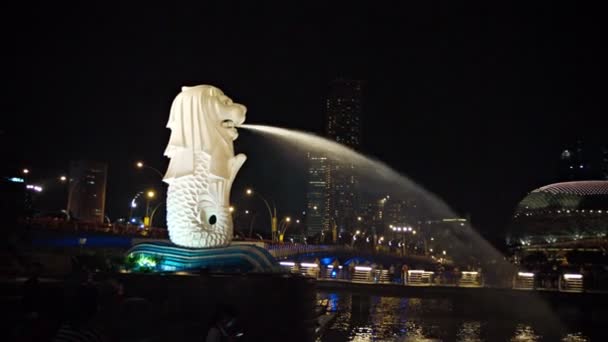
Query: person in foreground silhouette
{"x":224,"y":326}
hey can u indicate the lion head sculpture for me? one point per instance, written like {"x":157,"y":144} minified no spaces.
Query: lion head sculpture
{"x":203,"y":166}
{"x":202,"y":118}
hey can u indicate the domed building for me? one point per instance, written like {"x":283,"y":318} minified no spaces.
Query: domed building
{"x":561,"y":212}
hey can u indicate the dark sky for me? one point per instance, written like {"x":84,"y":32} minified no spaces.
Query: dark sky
{"x":473,"y":102}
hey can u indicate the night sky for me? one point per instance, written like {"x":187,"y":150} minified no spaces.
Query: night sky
{"x":475,"y":103}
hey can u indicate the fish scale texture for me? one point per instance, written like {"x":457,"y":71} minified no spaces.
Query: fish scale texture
{"x":192,"y":201}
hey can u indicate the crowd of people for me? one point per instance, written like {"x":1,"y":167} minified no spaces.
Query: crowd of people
{"x":393,"y":273}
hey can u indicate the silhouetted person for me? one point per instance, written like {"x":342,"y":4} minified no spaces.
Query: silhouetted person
{"x":224,"y":326}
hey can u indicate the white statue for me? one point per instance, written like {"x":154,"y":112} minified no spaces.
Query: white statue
{"x":202,"y":166}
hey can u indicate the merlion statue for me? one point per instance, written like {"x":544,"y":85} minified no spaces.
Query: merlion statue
{"x":202,"y":167}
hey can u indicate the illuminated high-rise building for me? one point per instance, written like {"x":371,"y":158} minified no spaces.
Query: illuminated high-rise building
{"x":344,"y":110}
{"x":87,"y":190}
{"x":317,"y":218}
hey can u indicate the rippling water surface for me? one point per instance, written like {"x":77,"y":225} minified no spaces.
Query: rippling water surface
{"x":377,"y":318}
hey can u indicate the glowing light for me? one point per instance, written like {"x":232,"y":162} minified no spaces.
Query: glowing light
{"x":414,"y":232}
{"x":420,"y":272}
{"x":470,"y":272}
{"x":297,"y":221}
{"x":151,"y":194}
{"x":363,"y":268}
{"x":288,"y":219}
{"x":525,"y":274}
{"x":246,"y":211}
{"x":308,"y":264}
{"x":231,"y":209}
{"x":146,"y":261}
{"x":444,"y":253}
{"x":63,"y":178}
{"x":133,"y":204}
{"x":26,"y":171}
{"x":249,"y":192}
{"x":36,"y":188}
{"x":315,"y":207}
{"x":287,"y":263}
{"x":139,"y":164}
{"x":359,"y":218}
{"x":16,"y":180}
{"x":358,"y":232}
{"x":573,"y":276}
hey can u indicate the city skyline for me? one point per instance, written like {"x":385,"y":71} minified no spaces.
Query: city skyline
{"x":466,"y":112}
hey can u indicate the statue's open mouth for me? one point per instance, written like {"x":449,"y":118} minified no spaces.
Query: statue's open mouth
{"x":228,"y":123}
{"x":231,"y":128}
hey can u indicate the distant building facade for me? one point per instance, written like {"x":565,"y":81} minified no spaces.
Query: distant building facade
{"x":317,"y":216}
{"x":87,"y":190}
{"x":561,"y":212}
{"x":344,"y":108}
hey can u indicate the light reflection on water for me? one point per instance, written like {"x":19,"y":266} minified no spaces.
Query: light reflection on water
{"x":377,"y":318}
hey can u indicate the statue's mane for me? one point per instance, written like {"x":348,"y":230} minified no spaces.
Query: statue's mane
{"x":192,"y":129}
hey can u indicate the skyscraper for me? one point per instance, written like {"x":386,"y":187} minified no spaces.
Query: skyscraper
{"x":316,"y":195}
{"x":87,"y":190}
{"x":344,"y":110}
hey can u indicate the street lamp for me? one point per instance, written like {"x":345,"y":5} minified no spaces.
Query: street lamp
{"x":63,"y":178}
{"x":231,"y":209}
{"x":271,"y":212}
{"x":150,"y":194}
{"x":283,"y":227}
{"x":133,"y":205}
{"x":141,"y":165}
{"x":25,"y":171}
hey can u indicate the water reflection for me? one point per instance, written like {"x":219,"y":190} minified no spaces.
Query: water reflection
{"x":377,"y":318}
{"x":525,"y":333}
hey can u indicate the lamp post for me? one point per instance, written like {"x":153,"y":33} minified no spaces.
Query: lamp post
{"x":154,"y":212}
{"x":283,"y":227}
{"x":71,"y":187}
{"x":403,"y":231}
{"x":133,"y":205}
{"x":251,"y":222}
{"x":149,"y":196}
{"x":140,"y":165}
{"x":271,"y":212}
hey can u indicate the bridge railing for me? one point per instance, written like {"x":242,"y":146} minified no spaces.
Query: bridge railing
{"x":369,"y":275}
{"x":71,"y":226}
